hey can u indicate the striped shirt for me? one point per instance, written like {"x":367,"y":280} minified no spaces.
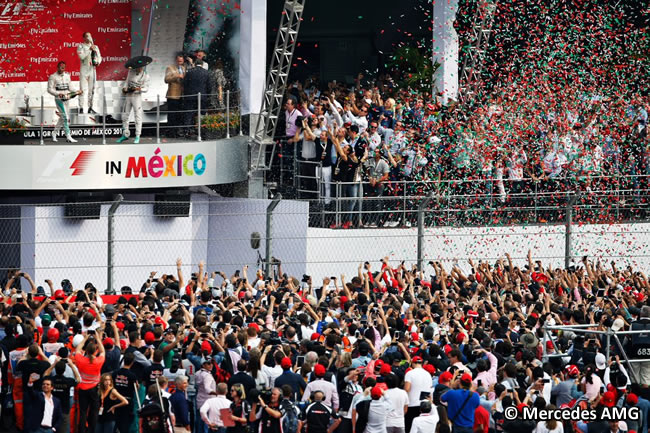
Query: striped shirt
{"x":90,"y":372}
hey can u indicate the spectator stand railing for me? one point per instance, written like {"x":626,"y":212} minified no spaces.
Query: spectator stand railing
{"x":588,"y":328}
{"x":199,"y":117}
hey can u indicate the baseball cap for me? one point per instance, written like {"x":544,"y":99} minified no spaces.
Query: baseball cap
{"x":319,"y":370}
{"x":376,"y":392}
{"x":466,"y":378}
{"x":108,"y":341}
{"x":600,"y":361}
{"x":206,"y":346}
{"x":430,"y":369}
{"x":254,"y":326}
{"x":59,"y":294}
{"x":120,"y":325}
{"x":315,"y":336}
{"x":632,"y":398}
{"x":618,"y":324}
{"x":385,"y":370}
{"x":379,"y":364}
{"x":416,"y":360}
{"x":572,"y":370}
{"x":445,"y":377}
{"x":149,"y":337}
{"x":286,"y":362}
{"x":608,"y":399}
{"x":77,"y":339}
{"x":109,"y":310}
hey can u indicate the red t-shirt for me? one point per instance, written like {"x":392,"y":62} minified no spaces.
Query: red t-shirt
{"x":90,"y":372}
{"x":481,"y":417}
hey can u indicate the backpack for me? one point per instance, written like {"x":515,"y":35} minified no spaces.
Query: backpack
{"x":290,"y":418}
{"x":363,"y":408}
{"x":153,"y":418}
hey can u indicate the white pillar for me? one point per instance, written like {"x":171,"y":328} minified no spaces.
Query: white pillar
{"x":252,"y":55}
{"x":445,"y":49}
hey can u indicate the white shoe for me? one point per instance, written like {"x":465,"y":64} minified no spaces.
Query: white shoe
{"x":69,"y":139}
{"x":54,"y":139}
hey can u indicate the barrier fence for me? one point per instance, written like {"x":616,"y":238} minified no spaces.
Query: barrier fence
{"x":194,"y":117}
{"x":126,"y":240}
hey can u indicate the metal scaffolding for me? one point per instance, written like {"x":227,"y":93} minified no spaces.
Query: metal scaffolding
{"x":276,"y":82}
{"x":470,"y":73}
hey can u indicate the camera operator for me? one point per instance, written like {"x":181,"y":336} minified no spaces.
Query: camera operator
{"x":268,"y":411}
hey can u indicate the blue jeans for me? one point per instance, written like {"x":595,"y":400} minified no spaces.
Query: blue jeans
{"x":217,"y":430}
{"x":199,"y":425}
{"x":42,"y":430}
{"x":105,"y":427}
{"x":352,"y":195}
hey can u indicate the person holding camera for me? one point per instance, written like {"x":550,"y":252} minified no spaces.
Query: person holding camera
{"x":137,"y":82}
{"x":461,"y":405}
{"x":268,"y":411}
{"x":89,"y":364}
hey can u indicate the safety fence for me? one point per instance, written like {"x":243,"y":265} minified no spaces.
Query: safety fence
{"x":119,"y":243}
{"x":191,"y":117}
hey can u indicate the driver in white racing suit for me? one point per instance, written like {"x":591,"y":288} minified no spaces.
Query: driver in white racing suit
{"x":58,"y":85}
{"x":137,"y":82}
{"x":90,"y":58}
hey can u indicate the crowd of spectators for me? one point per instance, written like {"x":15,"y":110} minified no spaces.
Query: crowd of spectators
{"x":498,"y":151}
{"x":392,"y":349}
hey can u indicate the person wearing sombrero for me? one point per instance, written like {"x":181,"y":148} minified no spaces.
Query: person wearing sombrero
{"x":137,"y":82}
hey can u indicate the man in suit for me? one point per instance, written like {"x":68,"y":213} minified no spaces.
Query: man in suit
{"x":197,"y":80}
{"x":44,"y":408}
{"x":174,"y":77}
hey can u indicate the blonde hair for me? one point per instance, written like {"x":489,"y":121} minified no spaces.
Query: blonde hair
{"x":242,"y":392}
{"x":390,"y":102}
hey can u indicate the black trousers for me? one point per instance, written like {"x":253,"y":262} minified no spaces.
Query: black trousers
{"x":175,"y":117}
{"x":411,"y":413}
{"x":88,"y":409}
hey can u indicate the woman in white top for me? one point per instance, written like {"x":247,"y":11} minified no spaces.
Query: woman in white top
{"x":255,"y":370}
{"x":551,"y":426}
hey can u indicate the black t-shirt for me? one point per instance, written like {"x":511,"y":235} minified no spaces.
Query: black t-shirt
{"x":61,"y":389}
{"x":241,"y":410}
{"x":317,"y":417}
{"x":124,"y":380}
{"x":151,"y":373}
{"x":348,"y":169}
{"x":29,"y":366}
{"x":136,"y":368}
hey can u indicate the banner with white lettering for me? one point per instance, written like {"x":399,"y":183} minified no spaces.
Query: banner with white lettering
{"x":117,"y":166}
{"x":36,"y":34}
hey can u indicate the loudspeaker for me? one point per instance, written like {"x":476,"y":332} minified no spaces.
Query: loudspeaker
{"x":172,"y":204}
{"x":255,"y":240}
{"x":83,"y":206}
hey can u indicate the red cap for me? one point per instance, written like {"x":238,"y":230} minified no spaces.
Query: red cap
{"x":315,"y":336}
{"x":286,"y":362}
{"x":385,"y":370}
{"x":608,"y":399}
{"x":206,"y":346}
{"x":241,"y":294}
{"x":120,"y":325}
{"x":549,"y":344}
{"x":159,"y":321}
{"x":572,"y":370}
{"x":149,"y":337}
{"x":445,"y":377}
{"x":430,"y":369}
{"x":108,"y":341}
{"x":319,"y":370}
{"x":379,"y":364}
{"x":520,"y":407}
{"x":460,"y":337}
{"x":376,"y":392}
{"x":53,"y":335}
{"x":414,"y":336}
{"x":472,"y":313}
{"x":416,"y":360}
{"x":344,"y":299}
{"x":466,"y":378}
{"x":534,"y":315}
{"x":632,"y":398}
{"x":123,"y":344}
{"x":639,"y":297}
{"x":447,"y":349}
{"x":59,"y":294}
{"x":254,"y":326}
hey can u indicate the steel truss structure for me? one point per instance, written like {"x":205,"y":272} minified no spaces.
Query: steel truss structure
{"x":276,"y":81}
{"x":470,"y":73}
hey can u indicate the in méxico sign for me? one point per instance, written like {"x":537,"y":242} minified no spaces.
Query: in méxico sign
{"x":113,"y":166}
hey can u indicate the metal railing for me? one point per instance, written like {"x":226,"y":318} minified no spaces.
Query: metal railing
{"x":195,"y":116}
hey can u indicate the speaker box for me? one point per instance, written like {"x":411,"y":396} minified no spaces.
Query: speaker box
{"x":172,"y":204}
{"x":83,"y":206}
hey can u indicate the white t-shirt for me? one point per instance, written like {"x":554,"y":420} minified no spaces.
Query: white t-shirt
{"x":420,"y":381}
{"x":541,"y":428}
{"x":398,"y":398}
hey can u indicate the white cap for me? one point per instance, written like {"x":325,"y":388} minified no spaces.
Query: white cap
{"x":600,"y":361}
{"x":76,"y":341}
{"x":618,"y":324}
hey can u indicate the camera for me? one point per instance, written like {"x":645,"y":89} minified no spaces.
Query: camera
{"x":305,"y":278}
{"x":266,"y":396}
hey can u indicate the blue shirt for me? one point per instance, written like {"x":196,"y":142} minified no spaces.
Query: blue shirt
{"x":295,"y":380}
{"x":644,"y":407}
{"x":180,"y":408}
{"x":455,"y":399}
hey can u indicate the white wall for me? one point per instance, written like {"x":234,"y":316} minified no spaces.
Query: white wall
{"x":332,"y":252}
